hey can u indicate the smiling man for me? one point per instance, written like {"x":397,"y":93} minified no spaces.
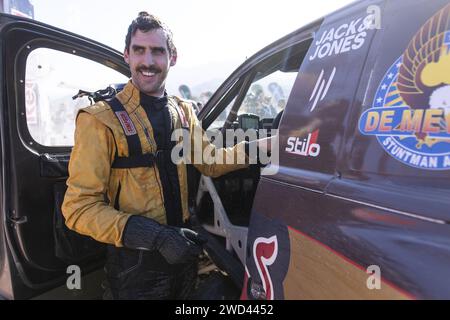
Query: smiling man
{"x":150,"y":55}
{"x":124,"y":189}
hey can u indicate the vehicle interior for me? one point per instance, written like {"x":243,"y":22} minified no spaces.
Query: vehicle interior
{"x":222,"y":206}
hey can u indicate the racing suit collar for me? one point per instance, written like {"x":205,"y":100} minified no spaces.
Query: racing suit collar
{"x":131,"y":97}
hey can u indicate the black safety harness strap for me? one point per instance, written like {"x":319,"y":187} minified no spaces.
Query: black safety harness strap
{"x":134,"y":144}
{"x":140,"y":161}
{"x":160,"y":159}
{"x":135,"y":159}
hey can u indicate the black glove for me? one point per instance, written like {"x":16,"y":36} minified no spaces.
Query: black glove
{"x":193,"y":236}
{"x":176,"y":245}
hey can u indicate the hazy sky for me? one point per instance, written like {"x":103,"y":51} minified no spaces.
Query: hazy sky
{"x":212,"y":37}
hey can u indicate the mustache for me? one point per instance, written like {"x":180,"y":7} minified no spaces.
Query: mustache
{"x":151,"y":69}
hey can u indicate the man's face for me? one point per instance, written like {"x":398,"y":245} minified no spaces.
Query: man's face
{"x":149,"y":61}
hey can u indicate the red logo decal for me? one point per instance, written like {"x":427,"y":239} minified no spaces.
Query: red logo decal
{"x":127,"y":124}
{"x":265,"y":252}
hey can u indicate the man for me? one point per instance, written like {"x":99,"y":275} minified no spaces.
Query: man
{"x":124,"y":189}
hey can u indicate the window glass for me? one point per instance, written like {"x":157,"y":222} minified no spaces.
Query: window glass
{"x":220,"y":120}
{"x":52,"y":79}
{"x":267,"y":96}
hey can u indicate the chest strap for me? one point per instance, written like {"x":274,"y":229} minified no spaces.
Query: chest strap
{"x":135,"y":159}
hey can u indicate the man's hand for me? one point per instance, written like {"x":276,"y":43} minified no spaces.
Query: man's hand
{"x":176,"y":245}
{"x":179,"y":245}
{"x":193,"y":236}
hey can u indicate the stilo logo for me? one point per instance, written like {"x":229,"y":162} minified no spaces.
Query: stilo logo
{"x":265,"y":252}
{"x":410,"y":115}
{"x":307,"y":147}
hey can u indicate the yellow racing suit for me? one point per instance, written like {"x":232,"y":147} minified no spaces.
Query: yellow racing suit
{"x":93,"y":183}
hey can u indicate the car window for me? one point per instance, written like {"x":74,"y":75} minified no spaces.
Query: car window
{"x":267,"y":96}
{"x":272,"y":80}
{"x":220,"y":120}
{"x":52,"y":79}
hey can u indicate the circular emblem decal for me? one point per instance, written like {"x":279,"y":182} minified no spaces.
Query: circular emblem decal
{"x":410,"y":114}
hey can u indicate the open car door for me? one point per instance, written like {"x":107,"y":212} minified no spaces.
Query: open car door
{"x":251,"y":100}
{"x":42,"y":67}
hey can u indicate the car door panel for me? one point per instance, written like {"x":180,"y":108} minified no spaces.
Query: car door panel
{"x":291,"y":201}
{"x":35,"y":166}
{"x":394,"y":212}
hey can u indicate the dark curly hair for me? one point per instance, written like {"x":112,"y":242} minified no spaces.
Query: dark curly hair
{"x":146,"y":22}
